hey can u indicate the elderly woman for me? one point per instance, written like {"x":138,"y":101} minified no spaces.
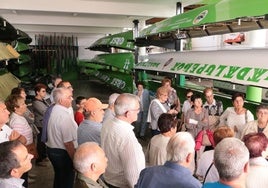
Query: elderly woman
{"x":21,"y":92}
{"x":259,"y":125}
{"x":196,"y":118}
{"x":157,"y":107}
{"x":257,"y":146}
{"x":16,"y":105}
{"x":237,"y":116}
{"x":173,"y":101}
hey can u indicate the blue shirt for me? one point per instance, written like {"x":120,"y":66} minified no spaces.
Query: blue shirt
{"x":89,"y":131}
{"x":168,"y":175}
{"x":215,"y":185}
{"x":45,"y":123}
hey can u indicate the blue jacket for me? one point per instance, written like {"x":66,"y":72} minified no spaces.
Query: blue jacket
{"x":168,"y":175}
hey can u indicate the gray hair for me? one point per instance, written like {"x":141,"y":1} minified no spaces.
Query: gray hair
{"x":124,"y":103}
{"x":230,"y":158}
{"x":58,"y":94}
{"x":179,"y":146}
{"x":84,"y":156}
{"x":112,"y":98}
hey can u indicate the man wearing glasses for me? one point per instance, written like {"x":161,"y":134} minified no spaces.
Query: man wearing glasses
{"x":125,"y":156}
{"x":215,"y":108}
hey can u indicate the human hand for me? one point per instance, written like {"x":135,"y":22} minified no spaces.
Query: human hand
{"x":14,"y":135}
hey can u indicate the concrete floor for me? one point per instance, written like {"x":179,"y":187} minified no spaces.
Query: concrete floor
{"x":88,"y":88}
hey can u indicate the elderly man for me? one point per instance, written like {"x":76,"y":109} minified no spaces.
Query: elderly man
{"x":215,"y":108}
{"x":231,"y":158}
{"x":6,"y":133}
{"x":125,"y":156}
{"x":109,"y":112}
{"x":90,"y":128}
{"x":144,"y":96}
{"x":14,"y":161}
{"x":62,"y":138}
{"x":90,"y":162}
{"x":175,"y":172}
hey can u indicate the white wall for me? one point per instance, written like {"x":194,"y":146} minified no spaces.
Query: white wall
{"x":85,"y":41}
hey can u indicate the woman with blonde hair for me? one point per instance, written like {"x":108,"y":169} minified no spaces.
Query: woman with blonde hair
{"x":157,"y":107}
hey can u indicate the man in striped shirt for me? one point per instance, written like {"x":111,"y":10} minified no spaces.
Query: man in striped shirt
{"x":125,"y":156}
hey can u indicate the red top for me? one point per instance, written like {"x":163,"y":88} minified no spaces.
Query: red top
{"x":78,"y":117}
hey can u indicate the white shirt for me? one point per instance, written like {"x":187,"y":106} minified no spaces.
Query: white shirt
{"x":62,"y":128}
{"x":157,"y":150}
{"x":11,"y":183}
{"x":203,"y":164}
{"x":5,"y":133}
{"x":257,"y":176}
{"x":231,"y":118}
{"x":186,"y":106}
{"x":124,"y":152}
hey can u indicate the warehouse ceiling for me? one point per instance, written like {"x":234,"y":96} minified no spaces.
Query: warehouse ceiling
{"x":85,"y":16}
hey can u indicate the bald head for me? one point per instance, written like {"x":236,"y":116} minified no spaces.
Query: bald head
{"x":90,"y":159}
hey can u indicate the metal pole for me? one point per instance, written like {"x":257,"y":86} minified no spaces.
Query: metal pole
{"x":136,"y":53}
{"x":178,"y":42}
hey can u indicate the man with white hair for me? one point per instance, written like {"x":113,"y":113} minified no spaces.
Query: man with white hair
{"x":231,"y":158}
{"x":125,"y":156}
{"x":175,"y":172}
{"x":109,"y":112}
{"x":90,"y":162}
{"x":62,"y":138}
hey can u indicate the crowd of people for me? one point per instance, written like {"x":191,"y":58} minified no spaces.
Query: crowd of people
{"x":191,"y":145}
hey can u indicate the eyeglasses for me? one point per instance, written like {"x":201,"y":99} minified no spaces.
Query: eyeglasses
{"x":135,"y":110}
{"x":189,"y":96}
